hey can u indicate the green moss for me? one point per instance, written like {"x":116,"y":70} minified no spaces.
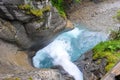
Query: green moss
{"x":25,"y":6}
{"x":12,"y":79}
{"x":17,"y":79}
{"x":98,"y":61}
{"x":40,"y":20}
{"x":59,"y":4}
{"x":108,"y":50}
{"x":30,"y":78}
{"x":115,"y":35}
{"x":112,"y":45}
{"x":77,"y":1}
{"x":62,"y":4}
{"x":36,"y":12}
{"x":109,"y":66}
{"x":46,"y":8}
{"x":118,"y":15}
{"x":62,"y":14}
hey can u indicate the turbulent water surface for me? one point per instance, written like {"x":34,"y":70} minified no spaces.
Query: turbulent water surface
{"x":68,"y":47}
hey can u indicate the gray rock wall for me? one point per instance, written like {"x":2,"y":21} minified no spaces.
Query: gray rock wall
{"x":22,"y":31}
{"x":27,"y":30}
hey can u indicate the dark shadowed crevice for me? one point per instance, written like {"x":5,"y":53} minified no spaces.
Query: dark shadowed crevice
{"x":117,"y":77}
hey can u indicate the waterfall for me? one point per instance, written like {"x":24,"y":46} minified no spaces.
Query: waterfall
{"x":67,"y":48}
{"x":57,"y":51}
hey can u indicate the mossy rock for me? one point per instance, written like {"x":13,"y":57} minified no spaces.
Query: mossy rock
{"x":109,"y":66}
{"x":25,"y":6}
{"x":36,"y":12}
{"x":31,"y":10}
{"x":108,"y":50}
{"x":12,"y":79}
{"x":46,"y":8}
{"x":118,"y":15}
{"x":30,"y":78}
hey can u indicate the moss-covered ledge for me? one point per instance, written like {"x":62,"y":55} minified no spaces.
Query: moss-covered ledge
{"x":109,"y":50}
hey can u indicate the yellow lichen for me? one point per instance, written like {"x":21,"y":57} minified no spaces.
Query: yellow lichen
{"x":46,"y":8}
{"x":36,"y":12}
{"x":12,"y":79}
{"x":25,"y":6}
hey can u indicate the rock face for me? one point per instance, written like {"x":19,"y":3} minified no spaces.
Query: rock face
{"x":29,"y":30}
{"x":98,"y":17}
{"x":92,"y":70}
{"x":48,"y":74}
{"x":114,"y":74}
{"x":95,"y":69}
{"x":20,"y":30}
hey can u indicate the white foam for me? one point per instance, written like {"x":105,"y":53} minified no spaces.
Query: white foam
{"x":64,"y":46}
{"x":58,"y":51}
{"x":75,"y":32}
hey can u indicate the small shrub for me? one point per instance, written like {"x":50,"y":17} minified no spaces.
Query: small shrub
{"x":62,"y":14}
{"x":59,"y":4}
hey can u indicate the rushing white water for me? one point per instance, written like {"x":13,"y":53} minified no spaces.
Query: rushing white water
{"x":66,"y":48}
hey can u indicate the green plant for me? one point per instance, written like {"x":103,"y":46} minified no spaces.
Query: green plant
{"x":36,"y":12}
{"x":115,"y":35}
{"x":46,"y":8}
{"x":77,"y":1}
{"x":29,"y":9}
{"x":108,"y":50}
{"x":109,"y":66}
{"x":30,"y":78}
{"x":12,"y":79}
{"x":59,"y":4}
{"x":25,"y":6}
{"x":112,"y":45}
{"x":118,"y":15}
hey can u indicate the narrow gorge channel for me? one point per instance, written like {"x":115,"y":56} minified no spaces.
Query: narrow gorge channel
{"x":67,"y":47}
